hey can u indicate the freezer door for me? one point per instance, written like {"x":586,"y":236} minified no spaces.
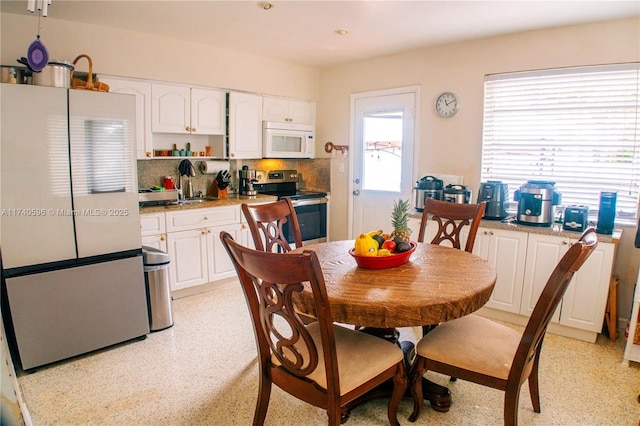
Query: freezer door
{"x":103,"y":170}
{"x":36,"y":224}
{"x":68,"y":312}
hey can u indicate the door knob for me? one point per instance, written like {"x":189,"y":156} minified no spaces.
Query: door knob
{"x":356,"y":192}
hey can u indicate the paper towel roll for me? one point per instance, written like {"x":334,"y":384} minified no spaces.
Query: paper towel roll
{"x":214,"y":166}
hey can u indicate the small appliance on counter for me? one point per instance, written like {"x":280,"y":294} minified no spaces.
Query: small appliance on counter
{"x":496,"y":195}
{"x":427,"y":186}
{"x":536,"y":199}
{"x":606,"y":212}
{"x":576,"y":218}
{"x":457,"y":194}
{"x":247,"y":179}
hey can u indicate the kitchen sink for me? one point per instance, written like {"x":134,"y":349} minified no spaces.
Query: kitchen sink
{"x":199,"y":200}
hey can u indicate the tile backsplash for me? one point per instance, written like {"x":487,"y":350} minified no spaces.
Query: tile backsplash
{"x":315,"y":174}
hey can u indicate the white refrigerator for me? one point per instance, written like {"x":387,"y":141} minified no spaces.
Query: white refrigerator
{"x":73,"y":278}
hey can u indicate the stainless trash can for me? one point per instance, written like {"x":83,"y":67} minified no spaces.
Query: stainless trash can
{"x":156,"y":278}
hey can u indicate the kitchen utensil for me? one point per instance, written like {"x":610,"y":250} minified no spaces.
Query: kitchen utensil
{"x":223,"y":179}
{"x":16,"y":75}
{"x":55,"y":74}
{"x":77,"y":83}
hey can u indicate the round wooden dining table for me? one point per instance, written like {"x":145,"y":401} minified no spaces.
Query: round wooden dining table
{"x":436,"y":285}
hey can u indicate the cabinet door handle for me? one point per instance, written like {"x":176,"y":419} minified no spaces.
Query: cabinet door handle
{"x":193,"y":129}
{"x":187,"y":128}
{"x":565,"y":242}
{"x":163,"y":237}
{"x":206,"y":218}
{"x":203,"y":232}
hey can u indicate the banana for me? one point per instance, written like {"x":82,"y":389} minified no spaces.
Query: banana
{"x":372,"y":233}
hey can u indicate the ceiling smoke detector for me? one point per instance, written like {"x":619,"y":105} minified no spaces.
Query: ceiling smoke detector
{"x":265,"y":5}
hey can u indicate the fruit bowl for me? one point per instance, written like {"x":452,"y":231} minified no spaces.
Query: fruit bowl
{"x":383,"y":262}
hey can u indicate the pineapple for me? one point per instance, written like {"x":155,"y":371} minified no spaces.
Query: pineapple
{"x":400,"y":220}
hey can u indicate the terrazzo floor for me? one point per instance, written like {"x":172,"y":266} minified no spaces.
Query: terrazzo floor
{"x":203,"y":371}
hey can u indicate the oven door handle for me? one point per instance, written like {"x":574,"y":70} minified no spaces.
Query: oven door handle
{"x":309,"y":202}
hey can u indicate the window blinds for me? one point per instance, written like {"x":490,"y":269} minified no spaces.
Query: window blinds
{"x":577,"y":127}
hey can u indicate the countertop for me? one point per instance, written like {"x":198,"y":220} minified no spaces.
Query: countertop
{"x":554,"y":230}
{"x":232,"y":199}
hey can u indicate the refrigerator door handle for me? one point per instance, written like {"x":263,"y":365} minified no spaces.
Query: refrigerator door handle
{"x":108,"y":191}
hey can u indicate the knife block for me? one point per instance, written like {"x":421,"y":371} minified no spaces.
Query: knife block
{"x":215,"y":191}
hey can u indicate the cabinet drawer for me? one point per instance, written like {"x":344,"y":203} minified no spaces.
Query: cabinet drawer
{"x":152,"y":224}
{"x":196,"y":218}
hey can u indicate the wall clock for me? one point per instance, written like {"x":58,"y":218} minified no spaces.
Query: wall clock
{"x":447,"y":104}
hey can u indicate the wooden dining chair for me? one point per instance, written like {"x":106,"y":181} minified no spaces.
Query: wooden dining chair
{"x":452,"y":219}
{"x":267,"y":222}
{"x":479,"y":350}
{"x":324,"y":364}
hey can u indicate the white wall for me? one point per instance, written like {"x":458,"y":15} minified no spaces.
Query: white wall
{"x":453,"y":145}
{"x":132,"y":54}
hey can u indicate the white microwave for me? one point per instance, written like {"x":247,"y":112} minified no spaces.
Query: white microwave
{"x":287,"y":140}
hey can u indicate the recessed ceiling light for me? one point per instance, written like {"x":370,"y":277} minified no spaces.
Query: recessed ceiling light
{"x":265,"y":5}
{"x":342,"y":32}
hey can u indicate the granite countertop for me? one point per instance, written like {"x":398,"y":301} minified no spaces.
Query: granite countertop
{"x":232,"y":199}
{"x":554,"y":230}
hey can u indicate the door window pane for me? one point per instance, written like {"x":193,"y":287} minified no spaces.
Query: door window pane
{"x":382,"y":156}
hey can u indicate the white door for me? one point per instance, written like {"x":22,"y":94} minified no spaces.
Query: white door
{"x":383,"y":155}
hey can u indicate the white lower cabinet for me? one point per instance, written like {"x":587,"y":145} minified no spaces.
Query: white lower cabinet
{"x":192,"y":240}
{"x":153,"y":230}
{"x":524,"y":261}
{"x":523,"y":270}
{"x":584,"y":302}
{"x":156,"y":241}
{"x":196,"y":252}
{"x":505,"y":251}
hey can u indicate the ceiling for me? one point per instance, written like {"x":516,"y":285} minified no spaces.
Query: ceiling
{"x":303,"y":32}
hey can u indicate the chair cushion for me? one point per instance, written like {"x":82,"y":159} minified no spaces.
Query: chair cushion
{"x":473,"y":343}
{"x":361,"y":357}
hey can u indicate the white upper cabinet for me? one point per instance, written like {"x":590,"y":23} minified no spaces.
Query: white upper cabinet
{"x":186,"y":110}
{"x":289,"y":110}
{"x":208,"y":110}
{"x":142,"y":91}
{"x":245,"y":126}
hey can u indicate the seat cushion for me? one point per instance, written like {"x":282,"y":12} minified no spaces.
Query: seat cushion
{"x":473,"y":343}
{"x":361,"y":357}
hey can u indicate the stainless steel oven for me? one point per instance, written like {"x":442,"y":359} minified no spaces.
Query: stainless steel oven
{"x":312,"y":218}
{"x":310,"y":206}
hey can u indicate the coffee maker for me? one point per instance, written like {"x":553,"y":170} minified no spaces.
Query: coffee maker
{"x":247,"y":179}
